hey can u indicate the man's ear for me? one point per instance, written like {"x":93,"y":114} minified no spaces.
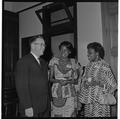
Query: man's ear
{"x":32,"y":46}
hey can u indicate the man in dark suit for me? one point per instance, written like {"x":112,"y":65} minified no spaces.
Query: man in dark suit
{"x":31,"y":76}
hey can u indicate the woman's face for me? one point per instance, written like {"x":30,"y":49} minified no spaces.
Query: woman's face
{"x":64,"y":52}
{"x":92,"y":55}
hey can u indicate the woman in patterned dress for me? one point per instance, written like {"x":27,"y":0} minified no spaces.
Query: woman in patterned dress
{"x":64,"y":73}
{"x":97,"y":78}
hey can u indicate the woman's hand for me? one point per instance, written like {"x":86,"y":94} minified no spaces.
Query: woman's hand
{"x":63,"y":82}
{"x":72,"y":81}
{"x":74,"y":113}
{"x":79,"y":105}
{"x":86,"y":84}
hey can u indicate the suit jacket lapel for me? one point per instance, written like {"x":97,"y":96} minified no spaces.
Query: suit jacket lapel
{"x":41,"y":63}
{"x":35,"y":61}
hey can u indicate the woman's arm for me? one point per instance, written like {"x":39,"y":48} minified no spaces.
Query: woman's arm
{"x":52,"y":78}
{"x":110,"y":79}
{"x":74,"y":79}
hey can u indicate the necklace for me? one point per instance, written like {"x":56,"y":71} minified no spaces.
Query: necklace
{"x":63,"y":65}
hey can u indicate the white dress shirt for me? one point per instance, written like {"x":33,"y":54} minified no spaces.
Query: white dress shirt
{"x":35,"y":57}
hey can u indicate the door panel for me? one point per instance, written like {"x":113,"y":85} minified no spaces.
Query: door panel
{"x":110,"y":39}
{"x":10,"y":57}
{"x":110,"y":34}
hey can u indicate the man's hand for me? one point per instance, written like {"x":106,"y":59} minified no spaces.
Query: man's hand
{"x":29,"y":112}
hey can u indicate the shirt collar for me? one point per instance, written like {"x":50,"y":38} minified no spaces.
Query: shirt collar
{"x":35,"y":56}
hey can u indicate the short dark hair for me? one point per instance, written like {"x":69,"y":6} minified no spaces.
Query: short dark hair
{"x":98,"y":48}
{"x":33,"y":38}
{"x":69,"y":46}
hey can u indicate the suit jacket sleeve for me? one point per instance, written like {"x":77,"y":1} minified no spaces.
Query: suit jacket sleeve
{"x":22,"y":84}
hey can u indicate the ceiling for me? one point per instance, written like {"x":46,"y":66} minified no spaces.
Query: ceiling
{"x":18,"y":6}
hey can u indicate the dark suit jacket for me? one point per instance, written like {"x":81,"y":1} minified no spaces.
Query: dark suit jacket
{"x":32,"y":83}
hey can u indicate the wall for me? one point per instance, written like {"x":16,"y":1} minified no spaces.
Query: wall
{"x":17,"y":6}
{"x":8,"y":6}
{"x":89,"y":27}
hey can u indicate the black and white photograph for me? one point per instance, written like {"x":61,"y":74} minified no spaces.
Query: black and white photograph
{"x":59,"y":59}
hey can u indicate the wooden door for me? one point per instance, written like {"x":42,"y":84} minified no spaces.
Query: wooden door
{"x":10,"y":56}
{"x":110,"y":33}
{"x":110,"y":39}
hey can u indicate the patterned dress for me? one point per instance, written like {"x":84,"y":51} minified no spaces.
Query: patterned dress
{"x":64,"y":97}
{"x":97,"y":78}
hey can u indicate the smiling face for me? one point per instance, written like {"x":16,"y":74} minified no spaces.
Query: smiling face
{"x":38,"y":47}
{"x":92,"y":55}
{"x":64,"y":52}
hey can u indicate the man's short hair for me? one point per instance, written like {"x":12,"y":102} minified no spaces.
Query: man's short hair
{"x":32,"y":39}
